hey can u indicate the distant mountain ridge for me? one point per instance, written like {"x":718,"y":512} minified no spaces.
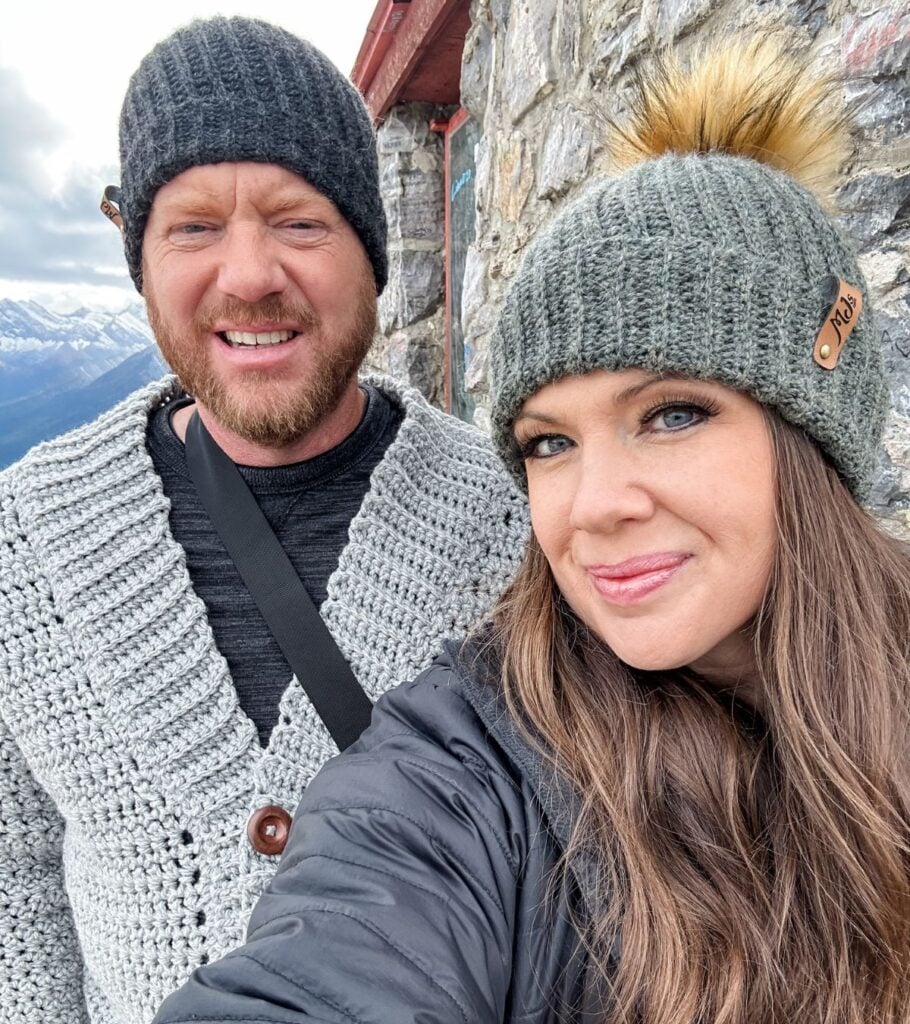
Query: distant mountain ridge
{"x":59,"y":370}
{"x":28,"y":324}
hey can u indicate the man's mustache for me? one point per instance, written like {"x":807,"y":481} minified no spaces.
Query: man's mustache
{"x":272,"y":309}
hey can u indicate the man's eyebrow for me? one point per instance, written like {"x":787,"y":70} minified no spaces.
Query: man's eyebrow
{"x":202,"y":201}
{"x":194,"y":202}
{"x":292,"y":201}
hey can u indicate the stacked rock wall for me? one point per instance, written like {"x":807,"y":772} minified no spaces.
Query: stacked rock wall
{"x":412,"y":307}
{"x":539,"y":75}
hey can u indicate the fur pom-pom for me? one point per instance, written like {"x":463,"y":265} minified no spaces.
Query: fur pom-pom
{"x":755,"y":98}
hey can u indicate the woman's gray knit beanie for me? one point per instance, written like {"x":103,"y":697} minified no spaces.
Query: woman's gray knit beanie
{"x":710,"y":266}
{"x":235,"y":89}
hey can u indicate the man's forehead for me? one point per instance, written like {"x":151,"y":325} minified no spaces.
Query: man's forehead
{"x":210,"y":185}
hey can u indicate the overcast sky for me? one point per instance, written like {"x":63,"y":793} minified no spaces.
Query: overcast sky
{"x":63,"y":71}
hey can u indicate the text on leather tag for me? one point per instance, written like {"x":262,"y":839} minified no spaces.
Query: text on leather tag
{"x":840,"y":321}
{"x":110,"y":198}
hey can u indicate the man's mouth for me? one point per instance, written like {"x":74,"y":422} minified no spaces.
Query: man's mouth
{"x":255,"y":339}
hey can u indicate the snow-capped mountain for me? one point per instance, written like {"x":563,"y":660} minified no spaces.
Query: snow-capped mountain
{"x":44,"y":352}
{"x":60,"y":370}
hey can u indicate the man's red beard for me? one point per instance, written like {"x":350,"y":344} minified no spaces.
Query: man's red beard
{"x":268,"y":411}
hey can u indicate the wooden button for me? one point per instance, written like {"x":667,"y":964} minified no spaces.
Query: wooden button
{"x":268,"y":829}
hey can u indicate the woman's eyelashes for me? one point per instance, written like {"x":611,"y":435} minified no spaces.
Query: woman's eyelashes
{"x":670,"y":415}
{"x":674,"y":414}
{"x":542,"y":446}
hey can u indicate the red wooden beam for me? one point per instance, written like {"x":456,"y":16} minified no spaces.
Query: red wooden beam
{"x":424,"y":21}
{"x":437,"y":78}
{"x":384,"y":23}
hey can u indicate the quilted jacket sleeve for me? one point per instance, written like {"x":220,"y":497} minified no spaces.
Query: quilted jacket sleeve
{"x":395,"y":901}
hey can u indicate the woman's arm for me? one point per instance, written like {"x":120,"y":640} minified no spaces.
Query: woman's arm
{"x":395,"y":899}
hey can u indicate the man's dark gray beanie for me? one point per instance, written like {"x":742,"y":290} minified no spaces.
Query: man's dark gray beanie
{"x":236,"y":89}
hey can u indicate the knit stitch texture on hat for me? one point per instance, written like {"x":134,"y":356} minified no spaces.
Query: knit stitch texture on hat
{"x":238,"y":89}
{"x":708,"y":266}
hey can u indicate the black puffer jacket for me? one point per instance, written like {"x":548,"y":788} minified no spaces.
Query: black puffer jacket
{"x":415,"y":886}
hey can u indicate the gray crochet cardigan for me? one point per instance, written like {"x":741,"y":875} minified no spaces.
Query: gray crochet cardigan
{"x":127,"y":769}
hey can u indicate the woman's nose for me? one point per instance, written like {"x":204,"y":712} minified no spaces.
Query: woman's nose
{"x":609,"y":489}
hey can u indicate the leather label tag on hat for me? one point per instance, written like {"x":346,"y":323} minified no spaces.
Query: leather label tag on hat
{"x":845,"y":309}
{"x":110,"y":205}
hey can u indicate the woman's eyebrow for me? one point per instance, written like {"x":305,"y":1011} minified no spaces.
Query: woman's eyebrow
{"x":626,"y":395}
{"x":636,"y":389}
{"x":541,"y":417}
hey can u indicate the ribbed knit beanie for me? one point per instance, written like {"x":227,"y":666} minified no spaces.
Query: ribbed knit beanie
{"x":708,"y":265}
{"x":237,"y":89}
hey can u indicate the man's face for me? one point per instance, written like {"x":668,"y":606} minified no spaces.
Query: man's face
{"x":260,"y":294}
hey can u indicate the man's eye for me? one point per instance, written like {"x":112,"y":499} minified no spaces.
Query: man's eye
{"x":191,"y":229}
{"x":300,"y":224}
{"x":544,"y":446}
{"x":306,"y":229}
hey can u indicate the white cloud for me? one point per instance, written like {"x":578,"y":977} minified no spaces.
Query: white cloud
{"x":63,"y":71}
{"x":76,"y":59}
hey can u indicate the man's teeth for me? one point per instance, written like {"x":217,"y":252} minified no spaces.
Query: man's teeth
{"x":261,"y":338}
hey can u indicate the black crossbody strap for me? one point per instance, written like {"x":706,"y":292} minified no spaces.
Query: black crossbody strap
{"x":274,"y":585}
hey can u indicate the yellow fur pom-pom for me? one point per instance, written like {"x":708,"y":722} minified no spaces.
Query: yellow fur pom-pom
{"x":753,"y":98}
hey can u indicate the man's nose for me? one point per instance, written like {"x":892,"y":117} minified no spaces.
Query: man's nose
{"x":250,"y":267}
{"x":610,"y":488}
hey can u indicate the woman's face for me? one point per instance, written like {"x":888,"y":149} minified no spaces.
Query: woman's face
{"x":653,"y":501}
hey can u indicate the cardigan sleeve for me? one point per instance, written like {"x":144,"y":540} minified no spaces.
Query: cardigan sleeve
{"x":40,"y":964}
{"x":396,"y":898}
{"x":40,"y":961}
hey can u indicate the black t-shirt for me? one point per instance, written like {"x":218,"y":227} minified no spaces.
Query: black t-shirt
{"x":309,"y":505}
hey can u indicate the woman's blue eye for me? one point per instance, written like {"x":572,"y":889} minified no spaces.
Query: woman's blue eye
{"x":678,"y":416}
{"x":544,"y":446}
{"x":675,"y":416}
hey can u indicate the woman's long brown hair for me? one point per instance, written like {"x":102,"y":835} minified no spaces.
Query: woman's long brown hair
{"x":754,"y":864}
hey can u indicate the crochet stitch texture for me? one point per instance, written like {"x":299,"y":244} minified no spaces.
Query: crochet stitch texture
{"x":236,"y":89}
{"x":708,"y":266}
{"x":127,"y":769}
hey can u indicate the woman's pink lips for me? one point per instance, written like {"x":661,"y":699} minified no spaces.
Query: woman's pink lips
{"x":636,"y":578}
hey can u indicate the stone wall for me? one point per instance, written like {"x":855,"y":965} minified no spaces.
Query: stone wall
{"x":538,"y":75}
{"x":412,"y":307}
